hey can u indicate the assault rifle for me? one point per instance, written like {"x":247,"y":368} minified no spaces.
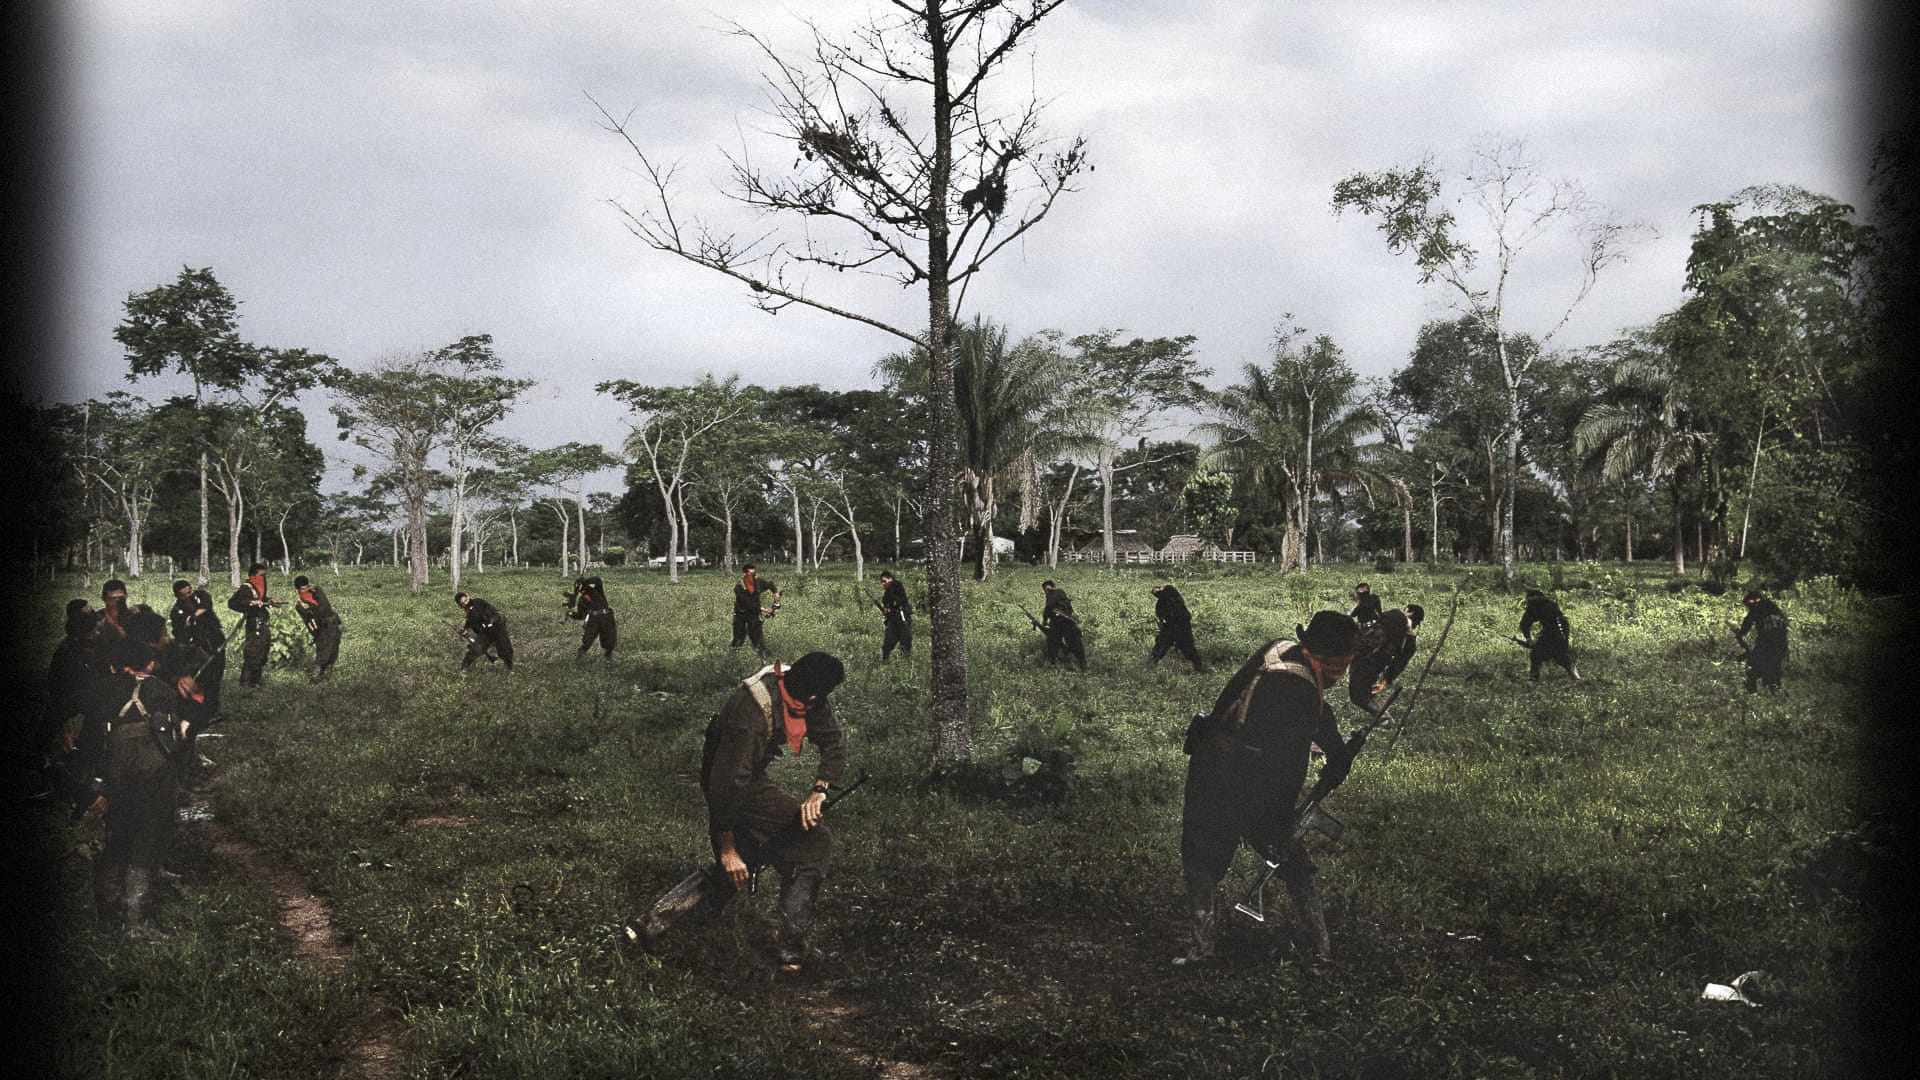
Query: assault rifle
{"x":1520,"y":641}
{"x":1030,"y":618}
{"x":753,"y":872}
{"x":1309,"y":817}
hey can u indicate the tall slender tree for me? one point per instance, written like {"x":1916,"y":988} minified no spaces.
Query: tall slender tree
{"x":1515,"y":207}
{"x":905,"y":168}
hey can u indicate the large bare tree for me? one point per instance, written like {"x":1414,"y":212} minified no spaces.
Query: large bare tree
{"x":907,"y":169}
{"x":1514,"y":206}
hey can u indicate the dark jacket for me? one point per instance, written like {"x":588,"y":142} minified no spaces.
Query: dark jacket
{"x":194,"y":621}
{"x":1170,"y":609}
{"x":1058,"y":604}
{"x":482,"y":618}
{"x":1543,"y":612}
{"x":894,"y":602}
{"x":587,"y":597}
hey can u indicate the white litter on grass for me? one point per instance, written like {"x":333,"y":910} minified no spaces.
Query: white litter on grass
{"x":1736,"y":991}
{"x":196,"y":812}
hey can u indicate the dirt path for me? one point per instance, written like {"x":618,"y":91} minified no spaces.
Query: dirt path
{"x":307,"y":920}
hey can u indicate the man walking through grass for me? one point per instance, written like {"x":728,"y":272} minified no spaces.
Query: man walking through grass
{"x":897,"y":612}
{"x":1766,"y":654}
{"x":323,"y":624}
{"x":750,"y":821}
{"x":587,"y":601}
{"x":747,"y":612}
{"x":485,"y":629}
{"x":1553,"y":644}
{"x":1060,"y":626}
{"x":1248,"y":758}
{"x":256,"y":618}
{"x":1175,"y":627}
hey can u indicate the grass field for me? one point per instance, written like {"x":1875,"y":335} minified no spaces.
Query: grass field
{"x":1536,"y":881}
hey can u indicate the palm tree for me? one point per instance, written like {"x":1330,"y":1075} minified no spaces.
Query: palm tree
{"x":1292,"y":431}
{"x":1011,"y":414}
{"x":1646,"y":426}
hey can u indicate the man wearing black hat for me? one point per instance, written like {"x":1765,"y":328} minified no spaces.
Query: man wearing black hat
{"x":1061,"y":628}
{"x":1553,"y":644}
{"x":485,"y":629}
{"x":323,"y":624}
{"x":750,"y":821}
{"x":1248,"y":760}
{"x":1175,"y":626}
{"x":1767,"y":653}
{"x":587,"y":601}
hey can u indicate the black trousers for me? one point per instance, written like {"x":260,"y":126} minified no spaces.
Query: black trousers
{"x":1180,"y":638}
{"x":483,"y":640}
{"x":899,"y":633}
{"x":253,"y":655}
{"x":600,"y":628}
{"x":326,"y":647}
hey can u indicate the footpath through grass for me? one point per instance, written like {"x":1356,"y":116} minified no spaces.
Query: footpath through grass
{"x":1538,"y":881}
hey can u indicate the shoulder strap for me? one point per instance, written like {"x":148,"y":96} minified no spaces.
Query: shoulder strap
{"x":757,"y":687}
{"x":1270,"y":662}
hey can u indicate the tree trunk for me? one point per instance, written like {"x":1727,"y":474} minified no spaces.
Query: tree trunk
{"x":206,"y":551}
{"x":580,"y":514}
{"x":951,"y":729}
{"x":799,"y":533}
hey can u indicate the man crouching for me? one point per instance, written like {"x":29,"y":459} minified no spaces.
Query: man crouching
{"x":752,"y":822}
{"x":1248,"y":760}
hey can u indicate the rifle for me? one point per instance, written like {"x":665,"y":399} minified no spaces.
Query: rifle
{"x":1030,"y":618}
{"x":753,"y":872}
{"x":1520,"y":641}
{"x":1309,"y":817}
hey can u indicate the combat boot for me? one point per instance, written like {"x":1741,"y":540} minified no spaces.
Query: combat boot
{"x":796,"y":918}
{"x":1203,"y":926}
{"x":1310,"y":915}
{"x":695,"y":889}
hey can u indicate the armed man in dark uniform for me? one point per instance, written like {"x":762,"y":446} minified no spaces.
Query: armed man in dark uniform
{"x":1381,"y":642}
{"x":485,"y":629}
{"x":1175,"y":624}
{"x":1554,"y":641}
{"x":748,"y":612}
{"x":323,"y":624}
{"x":1248,"y":760}
{"x":140,"y":720}
{"x":1366,"y":606}
{"x":587,"y":602}
{"x":1061,"y":628}
{"x":750,"y":821}
{"x":1767,"y":653}
{"x":897,"y":611}
{"x":251,"y":601}
{"x":195,"y":623}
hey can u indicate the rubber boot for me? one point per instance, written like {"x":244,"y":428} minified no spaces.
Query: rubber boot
{"x":1203,"y":925}
{"x":695,"y":889}
{"x":1310,"y":915}
{"x":796,"y":918}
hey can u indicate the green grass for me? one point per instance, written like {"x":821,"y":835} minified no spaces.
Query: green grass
{"x":1537,"y":880}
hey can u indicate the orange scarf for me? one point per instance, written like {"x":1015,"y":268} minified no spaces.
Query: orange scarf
{"x":747,"y":581}
{"x":306,"y":597}
{"x":794,"y":712}
{"x":259,"y":583}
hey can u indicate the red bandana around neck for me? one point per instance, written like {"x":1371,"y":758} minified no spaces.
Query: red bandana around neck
{"x":259,"y":583}
{"x":748,"y":581}
{"x":795,"y":711}
{"x":306,"y":597}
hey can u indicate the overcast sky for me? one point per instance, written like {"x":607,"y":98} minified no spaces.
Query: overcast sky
{"x":378,"y":177}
